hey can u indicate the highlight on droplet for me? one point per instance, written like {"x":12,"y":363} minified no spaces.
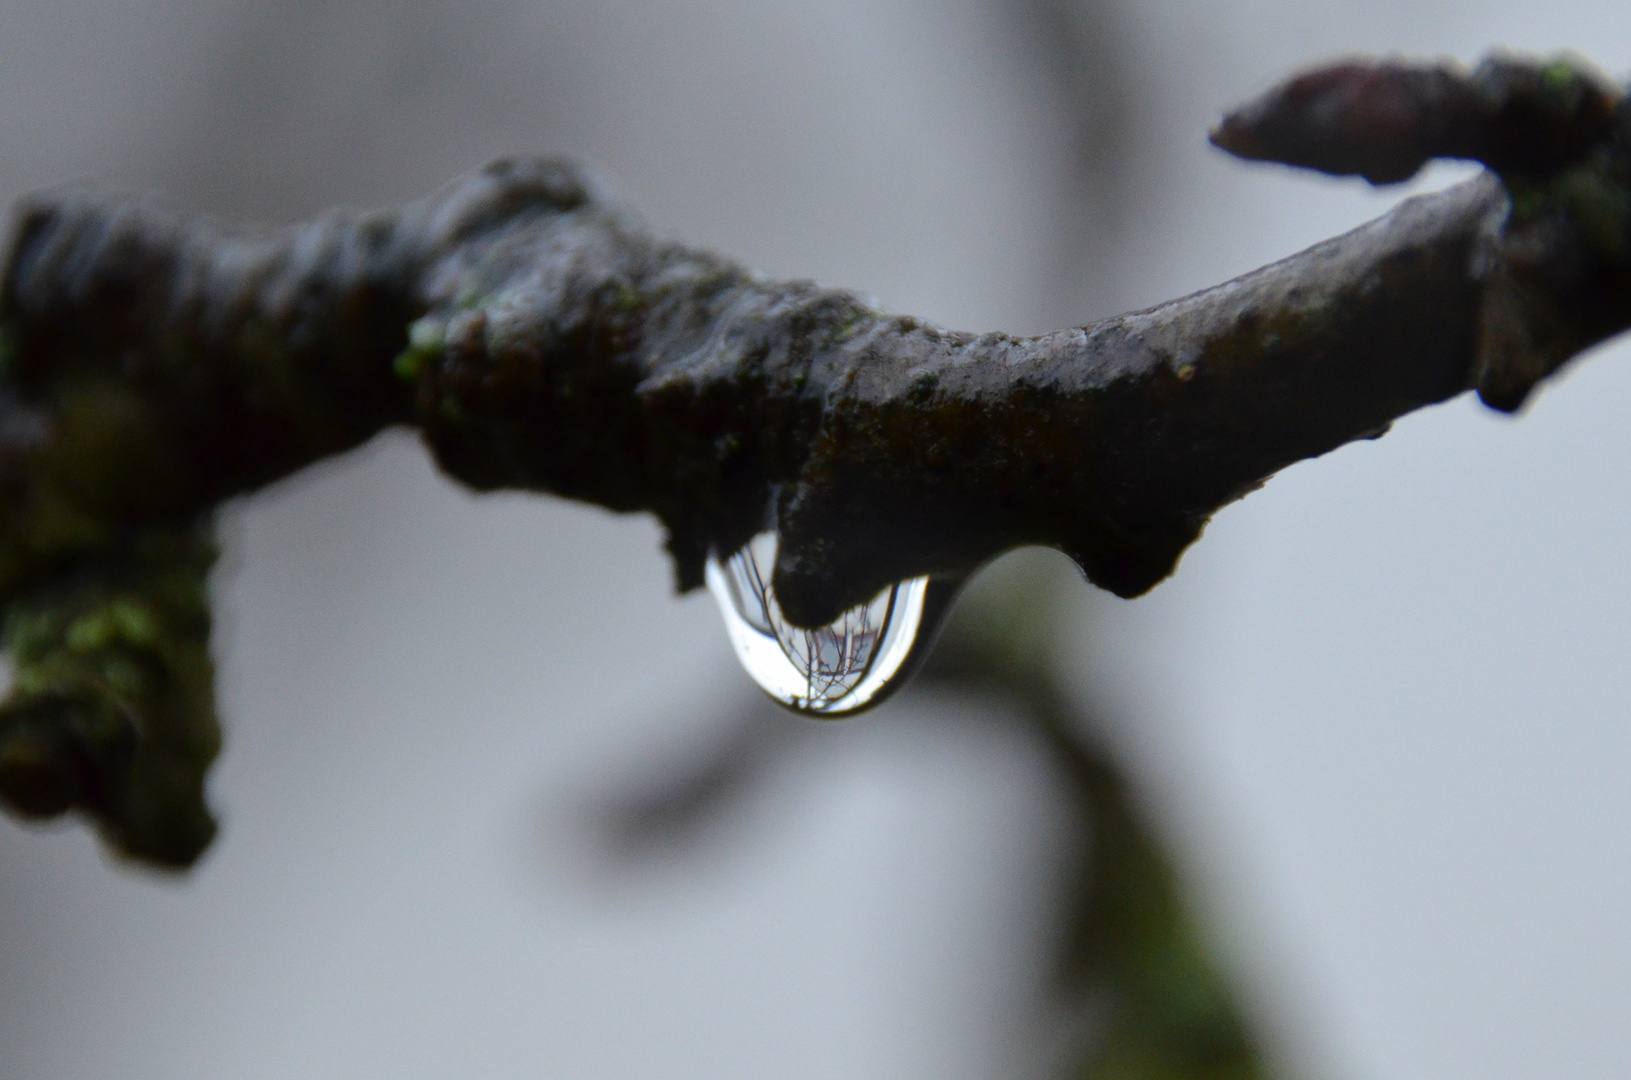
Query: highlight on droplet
{"x":827,"y":671}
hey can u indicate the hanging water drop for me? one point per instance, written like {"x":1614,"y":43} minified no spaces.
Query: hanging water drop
{"x":830,"y":670}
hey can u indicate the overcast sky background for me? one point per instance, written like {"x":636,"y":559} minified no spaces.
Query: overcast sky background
{"x":1382,"y":710}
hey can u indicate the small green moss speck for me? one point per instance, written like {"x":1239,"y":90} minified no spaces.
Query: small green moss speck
{"x":31,"y":681}
{"x":850,"y":327}
{"x":123,"y":622}
{"x":425,"y":340}
{"x":1557,"y":75}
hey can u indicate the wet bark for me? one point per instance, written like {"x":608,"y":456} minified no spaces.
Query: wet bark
{"x":540,"y":338}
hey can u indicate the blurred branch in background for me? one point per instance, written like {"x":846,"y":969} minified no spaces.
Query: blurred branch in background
{"x":1135,"y":989}
{"x":1130,"y":950}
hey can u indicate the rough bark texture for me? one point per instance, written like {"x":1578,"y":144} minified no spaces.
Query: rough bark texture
{"x":541,"y":339}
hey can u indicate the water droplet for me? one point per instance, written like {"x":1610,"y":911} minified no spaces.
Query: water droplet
{"x":829,"y":671}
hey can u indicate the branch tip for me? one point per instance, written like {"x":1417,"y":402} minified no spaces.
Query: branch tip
{"x":1384,"y":119}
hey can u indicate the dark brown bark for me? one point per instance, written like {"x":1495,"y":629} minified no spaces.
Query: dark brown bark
{"x":541,"y":339}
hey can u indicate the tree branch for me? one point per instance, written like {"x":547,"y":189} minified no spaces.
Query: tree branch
{"x":540,"y":338}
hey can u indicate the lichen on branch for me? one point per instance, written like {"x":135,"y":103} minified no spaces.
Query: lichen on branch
{"x":541,"y":338}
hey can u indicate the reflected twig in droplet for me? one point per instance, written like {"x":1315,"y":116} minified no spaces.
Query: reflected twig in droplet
{"x":852,"y":663}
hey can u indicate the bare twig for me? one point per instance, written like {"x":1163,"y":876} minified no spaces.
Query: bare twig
{"x":541,"y":339}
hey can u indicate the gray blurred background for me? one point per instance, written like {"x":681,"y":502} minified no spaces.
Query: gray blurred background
{"x":1383,"y":713}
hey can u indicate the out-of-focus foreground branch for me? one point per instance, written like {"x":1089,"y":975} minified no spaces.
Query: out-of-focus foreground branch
{"x":541,"y":339}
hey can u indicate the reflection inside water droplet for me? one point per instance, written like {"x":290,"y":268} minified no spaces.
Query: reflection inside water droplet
{"x":831,"y":670}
